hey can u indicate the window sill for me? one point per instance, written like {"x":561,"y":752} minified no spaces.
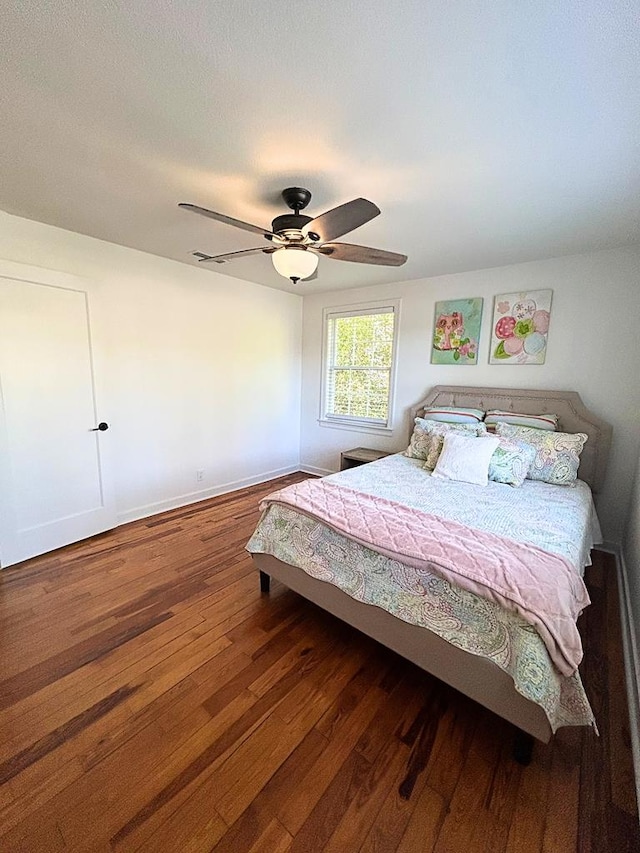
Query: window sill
{"x":355,"y":427}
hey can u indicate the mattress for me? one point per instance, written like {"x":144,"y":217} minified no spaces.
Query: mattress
{"x":558,"y":519}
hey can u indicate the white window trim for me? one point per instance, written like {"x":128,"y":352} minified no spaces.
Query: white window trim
{"x":358,"y":424}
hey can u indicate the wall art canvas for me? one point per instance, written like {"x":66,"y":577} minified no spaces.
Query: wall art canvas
{"x":456,"y":331}
{"x":520,"y":327}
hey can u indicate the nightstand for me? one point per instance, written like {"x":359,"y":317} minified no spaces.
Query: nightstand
{"x":360,"y":456}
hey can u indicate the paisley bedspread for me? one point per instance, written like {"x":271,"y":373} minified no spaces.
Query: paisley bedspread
{"x":424,"y":598}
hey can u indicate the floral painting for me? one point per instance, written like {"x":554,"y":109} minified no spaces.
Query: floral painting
{"x":520,"y":327}
{"x":456,"y":331}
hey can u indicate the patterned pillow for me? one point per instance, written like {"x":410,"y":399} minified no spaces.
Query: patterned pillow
{"x":557,"y":453}
{"x":426,"y":441}
{"x":511,"y":462}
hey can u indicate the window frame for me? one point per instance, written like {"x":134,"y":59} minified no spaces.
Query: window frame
{"x":358,"y":309}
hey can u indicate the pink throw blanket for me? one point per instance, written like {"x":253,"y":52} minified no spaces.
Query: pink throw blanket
{"x":541,"y":587}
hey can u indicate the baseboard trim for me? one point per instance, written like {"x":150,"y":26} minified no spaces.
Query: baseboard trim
{"x":311,"y":469}
{"x":631,"y":659}
{"x":139,"y":512}
{"x":608,"y":548}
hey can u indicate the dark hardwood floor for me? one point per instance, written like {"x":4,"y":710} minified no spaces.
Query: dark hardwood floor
{"x":152,"y":699}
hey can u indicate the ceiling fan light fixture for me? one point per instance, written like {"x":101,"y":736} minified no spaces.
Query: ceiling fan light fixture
{"x":295,"y":262}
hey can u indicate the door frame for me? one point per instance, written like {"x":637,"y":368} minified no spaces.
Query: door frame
{"x":92,"y":293}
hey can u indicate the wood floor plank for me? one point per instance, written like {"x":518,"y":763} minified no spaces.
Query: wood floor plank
{"x":470,"y":824}
{"x":332,"y":805}
{"x":159,"y":774}
{"x":295,"y":810}
{"x":53,"y":704}
{"x":194,"y":826}
{"x":244,"y":775}
{"x":256,"y":817}
{"x":17,"y":763}
{"x":232,"y":737}
{"x":394,"y":816}
{"x":51,"y":669}
{"x":365,"y":807}
{"x":275,"y":839}
{"x":526,"y":831}
{"x":29,"y":837}
{"x":151,"y":698}
{"x":33,"y":794}
{"x":562,"y":813}
{"x":195,"y":760}
{"x":424,"y":823}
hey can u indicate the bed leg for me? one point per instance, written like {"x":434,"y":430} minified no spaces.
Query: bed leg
{"x":522,"y":748}
{"x":265,"y":581}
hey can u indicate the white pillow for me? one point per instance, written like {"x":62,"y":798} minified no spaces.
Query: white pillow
{"x":466,"y":459}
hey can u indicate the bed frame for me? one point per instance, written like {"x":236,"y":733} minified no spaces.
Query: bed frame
{"x":476,"y":677}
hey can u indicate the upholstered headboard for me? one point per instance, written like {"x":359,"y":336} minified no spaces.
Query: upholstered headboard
{"x":573,"y":416}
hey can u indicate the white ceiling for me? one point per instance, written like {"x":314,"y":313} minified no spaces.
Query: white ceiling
{"x":487,"y":132}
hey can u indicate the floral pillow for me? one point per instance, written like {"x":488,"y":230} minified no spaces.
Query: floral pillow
{"x":511,"y":462}
{"x":557,"y":453}
{"x":427,"y":438}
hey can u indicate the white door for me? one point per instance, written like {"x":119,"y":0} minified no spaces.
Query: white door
{"x":54,"y":477}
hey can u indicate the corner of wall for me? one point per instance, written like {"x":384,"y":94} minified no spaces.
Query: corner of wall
{"x":631,"y":661}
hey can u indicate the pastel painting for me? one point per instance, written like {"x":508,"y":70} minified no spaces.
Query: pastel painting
{"x":520,"y":327}
{"x":456,"y":331}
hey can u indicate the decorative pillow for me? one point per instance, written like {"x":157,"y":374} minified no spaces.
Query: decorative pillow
{"x":465,"y":458}
{"x":426,"y":441}
{"x":453,"y":414}
{"x":511,"y":462}
{"x":546,"y":421}
{"x":557,"y":453}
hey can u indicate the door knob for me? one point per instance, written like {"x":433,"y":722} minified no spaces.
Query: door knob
{"x":102,"y":426}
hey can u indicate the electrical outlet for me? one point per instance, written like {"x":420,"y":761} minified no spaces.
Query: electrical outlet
{"x":200,"y":475}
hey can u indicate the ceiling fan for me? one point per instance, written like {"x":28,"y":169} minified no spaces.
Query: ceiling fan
{"x":296,"y":240}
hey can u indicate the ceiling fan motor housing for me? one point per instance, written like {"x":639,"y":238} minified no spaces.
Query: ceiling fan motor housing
{"x":296,"y":198}
{"x":289,"y":222}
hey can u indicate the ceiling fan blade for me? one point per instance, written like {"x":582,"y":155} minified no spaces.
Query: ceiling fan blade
{"x":340,"y":220}
{"x":228,"y":256}
{"x":361,"y":254}
{"x":228,"y":220}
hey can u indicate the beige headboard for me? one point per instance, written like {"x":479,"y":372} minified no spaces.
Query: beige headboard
{"x":573,"y":416}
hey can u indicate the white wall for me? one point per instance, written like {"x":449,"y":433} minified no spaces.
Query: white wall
{"x":202,"y":370}
{"x":592,"y":349}
{"x":632,"y":560}
{"x":631,"y":618}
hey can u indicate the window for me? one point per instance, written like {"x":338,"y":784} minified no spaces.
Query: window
{"x":358,"y":366}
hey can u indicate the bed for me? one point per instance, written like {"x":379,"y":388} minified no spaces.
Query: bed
{"x":471,"y":644}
